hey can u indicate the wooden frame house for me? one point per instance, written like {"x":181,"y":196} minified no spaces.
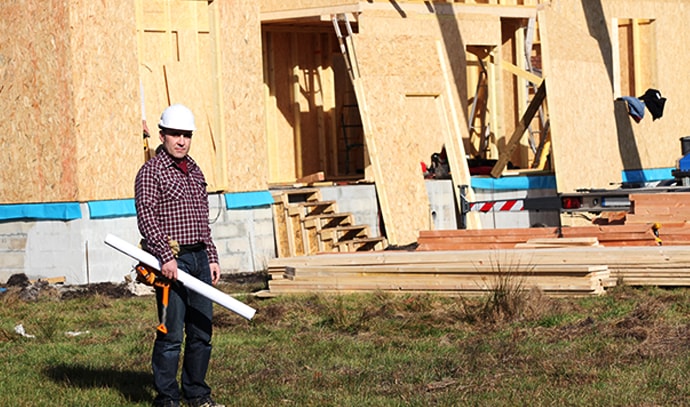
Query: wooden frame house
{"x":358,"y":90}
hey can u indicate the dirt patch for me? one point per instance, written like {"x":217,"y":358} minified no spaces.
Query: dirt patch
{"x":21,"y":286}
{"x":110,"y":290}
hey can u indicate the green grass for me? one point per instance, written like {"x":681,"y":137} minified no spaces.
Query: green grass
{"x":630,"y":347}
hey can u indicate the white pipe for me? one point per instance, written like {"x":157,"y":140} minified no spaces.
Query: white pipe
{"x":189,"y":281}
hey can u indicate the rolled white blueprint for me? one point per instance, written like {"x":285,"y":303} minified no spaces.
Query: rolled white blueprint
{"x":189,"y":281}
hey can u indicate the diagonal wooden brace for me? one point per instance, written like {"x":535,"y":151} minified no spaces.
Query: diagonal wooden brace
{"x":507,"y":152}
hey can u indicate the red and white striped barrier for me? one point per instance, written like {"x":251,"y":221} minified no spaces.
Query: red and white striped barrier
{"x":512,"y":205}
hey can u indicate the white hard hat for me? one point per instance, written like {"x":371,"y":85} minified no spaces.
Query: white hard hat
{"x":177,"y":117}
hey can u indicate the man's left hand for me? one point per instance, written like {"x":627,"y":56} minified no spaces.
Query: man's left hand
{"x":215,"y":273}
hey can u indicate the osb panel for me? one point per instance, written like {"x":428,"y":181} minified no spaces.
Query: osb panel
{"x":178,"y":65}
{"x":578,"y":91}
{"x":399,"y":181}
{"x":401,"y":71}
{"x":421,"y":127}
{"x":654,"y":144}
{"x":184,"y":86}
{"x":154,"y":92}
{"x":280,"y":117}
{"x":474,"y":29}
{"x":37,"y":131}
{"x":242,"y":94}
{"x":106,"y":115}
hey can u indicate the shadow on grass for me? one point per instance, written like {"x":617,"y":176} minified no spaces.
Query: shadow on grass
{"x":134,"y":386}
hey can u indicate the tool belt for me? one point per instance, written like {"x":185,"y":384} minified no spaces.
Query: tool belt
{"x":192,"y":248}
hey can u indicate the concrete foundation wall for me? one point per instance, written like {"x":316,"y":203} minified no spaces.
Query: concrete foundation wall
{"x":244,"y":237}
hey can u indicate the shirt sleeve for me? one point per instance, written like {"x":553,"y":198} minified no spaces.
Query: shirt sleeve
{"x":146,"y":197}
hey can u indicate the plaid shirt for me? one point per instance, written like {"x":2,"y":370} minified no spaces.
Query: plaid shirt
{"x":172,"y":204}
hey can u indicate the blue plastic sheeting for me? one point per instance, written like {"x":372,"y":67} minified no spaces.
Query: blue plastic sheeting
{"x":241,"y":200}
{"x":41,"y":211}
{"x":512,"y":183}
{"x":650,"y":175}
{"x":112,"y":208}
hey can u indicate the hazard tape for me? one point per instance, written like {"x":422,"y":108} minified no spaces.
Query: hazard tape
{"x":512,"y":205}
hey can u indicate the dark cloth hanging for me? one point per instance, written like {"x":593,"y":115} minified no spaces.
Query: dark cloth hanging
{"x":654,"y":102}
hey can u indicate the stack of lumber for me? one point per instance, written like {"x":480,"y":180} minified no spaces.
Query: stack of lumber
{"x":464,"y":239}
{"x":606,"y":235}
{"x":663,"y":207}
{"x":669,"y":211}
{"x":571,"y":271}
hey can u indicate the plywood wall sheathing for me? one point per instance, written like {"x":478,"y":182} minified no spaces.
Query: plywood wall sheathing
{"x":176,"y":35}
{"x":68,"y":100}
{"x":586,"y":76}
{"x":107,"y":113}
{"x":242,"y":107}
{"x":401,"y":67}
{"x":585,"y":152}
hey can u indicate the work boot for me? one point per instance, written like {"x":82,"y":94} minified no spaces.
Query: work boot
{"x":203,"y":402}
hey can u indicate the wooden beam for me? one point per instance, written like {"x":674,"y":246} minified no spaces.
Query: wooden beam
{"x":507,"y":152}
{"x":521,"y":73}
{"x":456,"y":8}
{"x":455,"y":149}
{"x":309,"y":12}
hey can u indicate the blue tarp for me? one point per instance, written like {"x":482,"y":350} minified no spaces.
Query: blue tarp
{"x":649,"y":175}
{"x":512,"y":183}
{"x":41,"y":211}
{"x":241,"y":200}
{"x":111,"y":209}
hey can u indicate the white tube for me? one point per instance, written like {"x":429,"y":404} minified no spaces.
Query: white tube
{"x":189,"y":281}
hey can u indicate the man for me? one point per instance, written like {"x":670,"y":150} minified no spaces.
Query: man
{"x":172,"y":211}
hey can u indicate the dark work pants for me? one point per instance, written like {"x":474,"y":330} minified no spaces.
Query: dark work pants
{"x":189,"y":315}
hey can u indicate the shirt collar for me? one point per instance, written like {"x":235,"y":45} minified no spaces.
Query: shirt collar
{"x":168,"y":161}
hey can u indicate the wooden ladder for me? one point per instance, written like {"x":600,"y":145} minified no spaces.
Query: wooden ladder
{"x":304,"y":224}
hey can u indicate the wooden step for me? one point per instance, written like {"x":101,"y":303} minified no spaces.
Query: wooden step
{"x":349,"y":232}
{"x":362,"y":244}
{"x":329,"y":237}
{"x":329,"y":220}
{"x":312,"y":208}
{"x":291,"y":196}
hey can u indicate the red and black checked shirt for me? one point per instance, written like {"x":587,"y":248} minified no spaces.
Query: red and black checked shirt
{"x":172,"y":204}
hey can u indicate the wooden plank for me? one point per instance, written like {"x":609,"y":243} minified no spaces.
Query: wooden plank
{"x":505,"y":65}
{"x":455,"y":149}
{"x":282,"y":237}
{"x":522,"y":232}
{"x":450,"y":269}
{"x":560,"y":242}
{"x":670,"y":256}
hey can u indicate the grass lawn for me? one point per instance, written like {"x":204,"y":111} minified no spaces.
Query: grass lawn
{"x":629,"y":347}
